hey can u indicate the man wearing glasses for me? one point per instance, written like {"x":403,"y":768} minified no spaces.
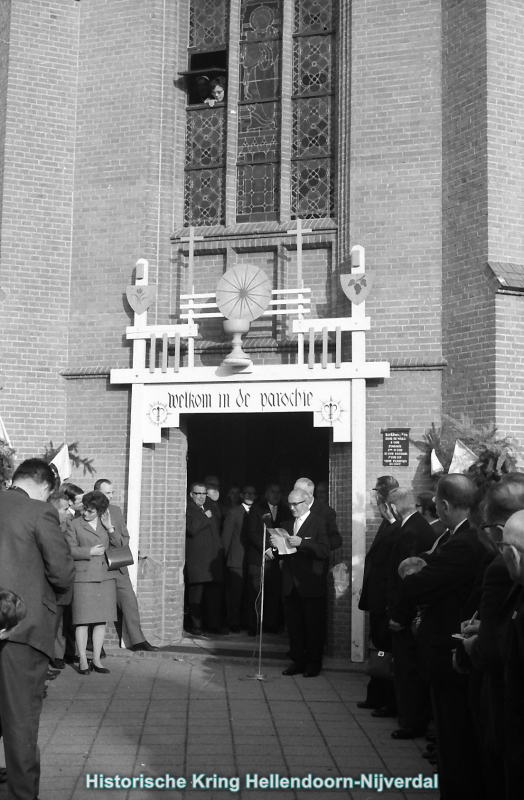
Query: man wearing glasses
{"x":304,"y":585}
{"x":204,"y":563}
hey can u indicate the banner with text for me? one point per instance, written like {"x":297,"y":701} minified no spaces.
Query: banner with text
{"x":328,"y":401}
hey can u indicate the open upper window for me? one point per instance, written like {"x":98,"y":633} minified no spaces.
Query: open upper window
{"x":280,"y":159}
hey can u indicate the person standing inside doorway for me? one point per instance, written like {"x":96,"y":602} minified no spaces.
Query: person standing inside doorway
{"x":125,"y":596}
{"x":204,"y":563}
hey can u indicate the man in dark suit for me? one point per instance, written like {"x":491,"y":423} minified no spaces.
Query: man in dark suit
{"x":125,"y":596}
{"x":65,"y":644}
{"x":272,"y":512}
{"x":427,"y":508}
{"x":304,"y":586}
{"x":380,"y":694}
{"x":486,"y":676}
{"x":511,"y":634}
{"x":323,"y":510}
{"x":414,"y":536}
{"x":444,"y":585}
{"x":204,"y":563}
{"x":36,"y":564}
{"x":235,"y":539}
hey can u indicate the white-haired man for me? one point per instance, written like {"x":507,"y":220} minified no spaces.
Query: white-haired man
{"x":323,"y":510}
{"x":304,"y":586}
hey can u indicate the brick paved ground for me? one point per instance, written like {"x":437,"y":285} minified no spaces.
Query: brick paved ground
{"x":185,"y":714}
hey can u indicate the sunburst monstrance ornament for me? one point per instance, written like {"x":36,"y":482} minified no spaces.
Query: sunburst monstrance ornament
{"x":243,"y":294}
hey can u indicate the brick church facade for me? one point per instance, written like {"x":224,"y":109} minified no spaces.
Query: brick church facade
{"x":392,"y":125}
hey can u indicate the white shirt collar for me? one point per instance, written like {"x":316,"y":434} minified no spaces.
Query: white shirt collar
{"x":408,"y":517}
{"x":455,"y":529}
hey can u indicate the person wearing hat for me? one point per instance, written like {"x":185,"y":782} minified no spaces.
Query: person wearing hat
{"x":380,"y":695}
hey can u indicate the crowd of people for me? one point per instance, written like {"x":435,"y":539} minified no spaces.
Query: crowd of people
{"x":57,"y":591}
{"x":443,"y":585}
{"x":444,"y":588}
{"x":232,"y":552}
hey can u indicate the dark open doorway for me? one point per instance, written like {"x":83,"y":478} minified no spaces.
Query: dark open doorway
{"x":257,"y":448}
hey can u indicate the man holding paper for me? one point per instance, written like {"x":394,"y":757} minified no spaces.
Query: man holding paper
{"x":304,"y":584}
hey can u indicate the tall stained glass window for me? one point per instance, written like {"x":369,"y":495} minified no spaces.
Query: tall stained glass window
{"x":258,"y":171}
{"x":205,"y":163}
{"x":250,"y":114}
{"x":312,"y":168}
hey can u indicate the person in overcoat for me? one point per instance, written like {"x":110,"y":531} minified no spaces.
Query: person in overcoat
{"x":414,"y":537}
{"x":36,"y":564}
{"x":94,"y":599}
{"x":271,"y":512}
{"x":380,"y":694}
{"x":236,"y":543}
{"x":204,"y":563}
{"x":444,"y":586}
{"x":128,"y":624}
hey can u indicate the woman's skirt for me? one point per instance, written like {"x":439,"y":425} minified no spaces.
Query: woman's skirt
{"x":94,"y":602}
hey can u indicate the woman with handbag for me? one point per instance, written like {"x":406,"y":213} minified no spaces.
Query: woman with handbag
{"x":94,"y":600}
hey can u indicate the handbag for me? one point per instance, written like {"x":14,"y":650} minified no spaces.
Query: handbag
{"x":380,"y":664}
{"x":118,"y":557}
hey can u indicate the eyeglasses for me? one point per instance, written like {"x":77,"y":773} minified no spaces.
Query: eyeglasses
{"x":199,"y":494}
{"x":294,"y":505}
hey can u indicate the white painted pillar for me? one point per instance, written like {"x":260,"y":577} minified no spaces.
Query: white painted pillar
{"x":134,"y":479}
{"x":358,"y":469}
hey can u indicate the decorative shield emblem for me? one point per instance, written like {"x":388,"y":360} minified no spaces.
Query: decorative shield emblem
{"x":3,"y":295}
{"x":140,"y":297}
{"x":356,"y":287}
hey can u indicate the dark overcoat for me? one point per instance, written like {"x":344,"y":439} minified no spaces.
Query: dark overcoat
{"x":35,"y":562}
{"x":204,"y":548}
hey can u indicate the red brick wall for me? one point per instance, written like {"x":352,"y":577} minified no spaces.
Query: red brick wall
{"x":505,"y":120}
{"x":5,"y":20}
{"x":510,"y":365}
{"x":395,"y":170}
{"x":123,"y":170}
{"x":39,"y":115}
{"x":468,"y":309}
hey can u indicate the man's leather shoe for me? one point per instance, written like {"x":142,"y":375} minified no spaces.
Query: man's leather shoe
{"x":294,"y":669}
{"x":311,"y":673}
{"x":57,"y":663}
{"x":3,"y":774}
{"x":143,"y":646}
{"x":382,"y":712}
{"x":407,"y":733}
{"x":366,"y":704}
{"x":51,"y":676}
